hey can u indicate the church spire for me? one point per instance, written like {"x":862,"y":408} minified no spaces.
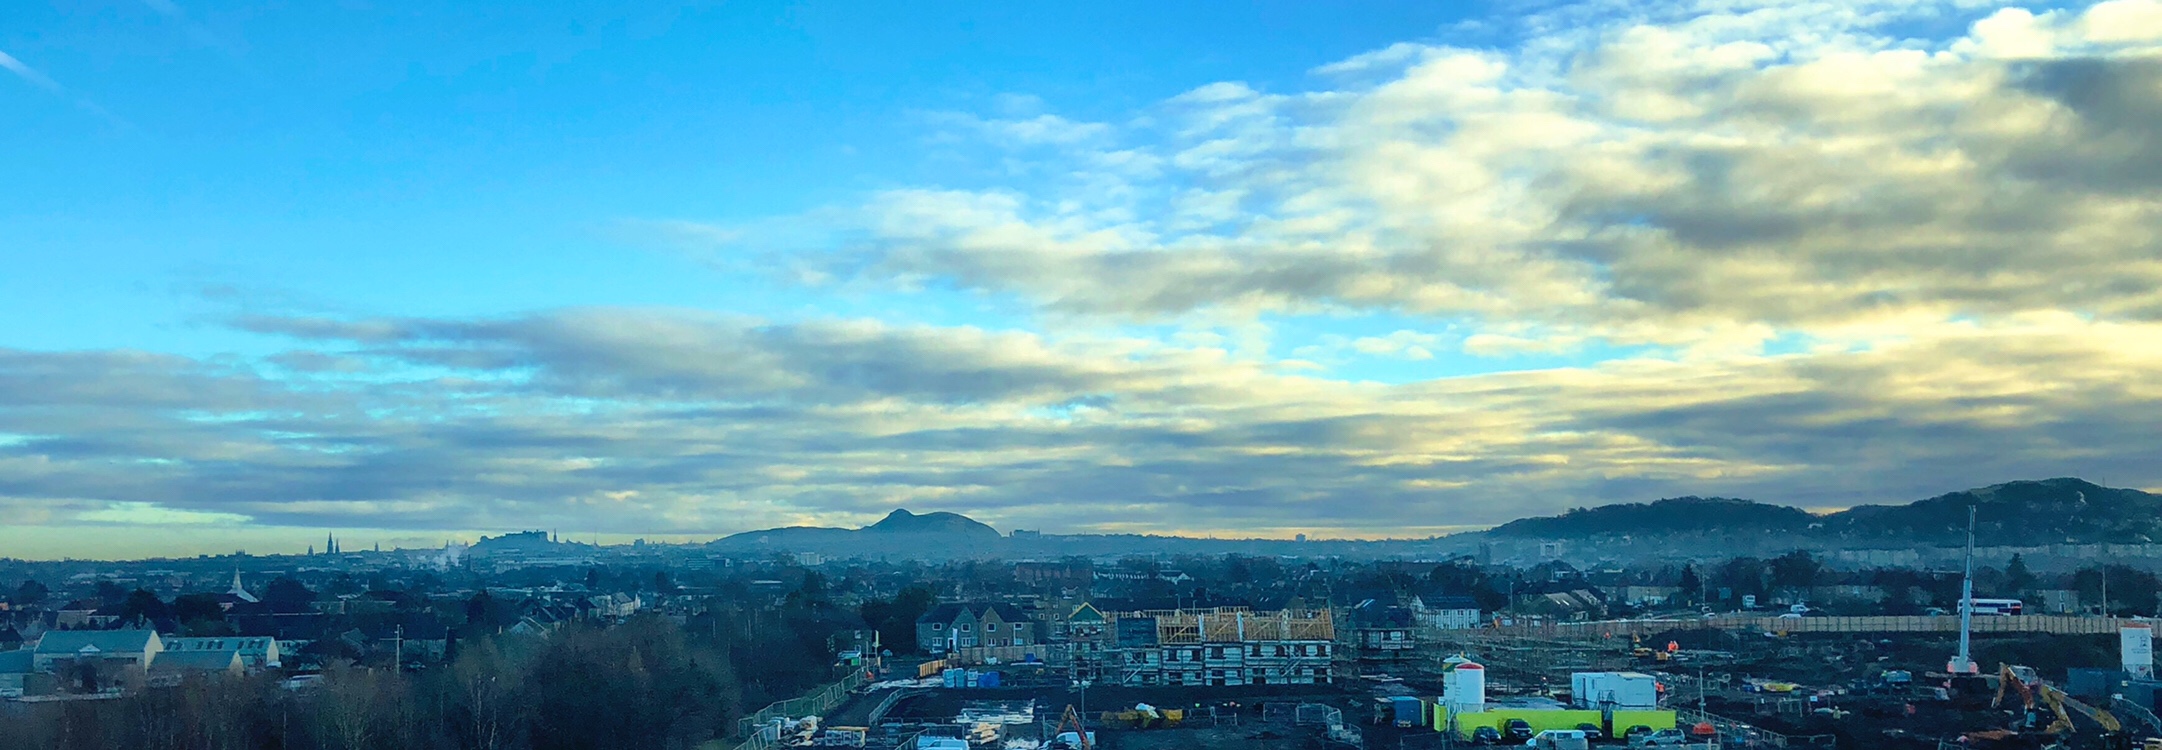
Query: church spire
{"x":239,"y":591}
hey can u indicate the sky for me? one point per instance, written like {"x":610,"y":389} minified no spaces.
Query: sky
{"x":423,"y":271}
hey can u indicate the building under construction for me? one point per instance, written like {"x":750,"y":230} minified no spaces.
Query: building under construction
{"x":1221,"y":646}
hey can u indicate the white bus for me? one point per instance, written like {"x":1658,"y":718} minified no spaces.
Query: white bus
{"x":1995,"y":606}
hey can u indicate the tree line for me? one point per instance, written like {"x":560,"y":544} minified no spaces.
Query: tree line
{"x":644,"y":683}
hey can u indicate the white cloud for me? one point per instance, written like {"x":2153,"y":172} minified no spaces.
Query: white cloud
{"x":1629,"y":177}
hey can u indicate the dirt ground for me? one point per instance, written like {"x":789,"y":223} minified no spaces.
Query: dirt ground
{"x":1245,"y":737}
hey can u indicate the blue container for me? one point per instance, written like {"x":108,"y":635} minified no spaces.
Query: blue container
{"x":1409,"y":711}
{"x":2092,"y":684}
{"x":988,"y":679}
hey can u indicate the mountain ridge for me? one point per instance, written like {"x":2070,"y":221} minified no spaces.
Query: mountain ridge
{"x":2018,"y":513}
{"x":2062,"y":510}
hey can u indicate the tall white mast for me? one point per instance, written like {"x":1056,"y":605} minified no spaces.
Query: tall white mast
{"x":1963,"y":663}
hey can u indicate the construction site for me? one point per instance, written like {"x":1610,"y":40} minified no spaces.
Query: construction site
{"x":1846,"y":683}
{"x":1231,"y":677}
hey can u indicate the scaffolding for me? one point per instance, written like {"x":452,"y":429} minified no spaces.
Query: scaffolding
{"x":1239,"y":625}
{"x":1220,"y":646}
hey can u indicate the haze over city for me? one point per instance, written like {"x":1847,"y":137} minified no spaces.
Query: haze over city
{"x":415,"y":272}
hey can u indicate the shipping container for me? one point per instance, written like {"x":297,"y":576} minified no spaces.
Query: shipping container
{"x":1619,"y":690}
{"x":2092,"y":684}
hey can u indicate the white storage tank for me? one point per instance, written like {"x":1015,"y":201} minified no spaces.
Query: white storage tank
{"x":2137,"y":642}
{"x":1463,"y":686}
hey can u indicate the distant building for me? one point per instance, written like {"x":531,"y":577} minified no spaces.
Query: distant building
{"x":1849,"y":593}
{"x":1646,"y":596}
{"x":85,"y":613}
{"x":1382,"y":632}
{"x":169,"y":666}
{"x":15,"y":671}
{"x":1223,"y":646}
{"x":1445,"y":611}
{"x":1069,"y":573}
{"x":95,"y":660}
{"x":259,"y":652}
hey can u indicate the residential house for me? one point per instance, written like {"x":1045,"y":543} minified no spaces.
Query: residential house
{"x":947,"y":627}
{"x":616,"y":606}
{"x":10,"y":638}
{"x":1636,"y":595}
{"x":952,"y":626}
{"x":1382,"y":632}
{"x":1566,"y":604}
{"x":1433,"y":609}
{"x":1006,"y":625}
{"x":85,"y":613}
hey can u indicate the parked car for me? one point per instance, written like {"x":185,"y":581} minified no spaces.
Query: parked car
{"x":1517,"y":730}
{"x":1485,"y":736}
{"x":1631,"y":734}
{"x":1661,"y":738}
{"x":1591,"y":732}
{"x":1560,"y":739}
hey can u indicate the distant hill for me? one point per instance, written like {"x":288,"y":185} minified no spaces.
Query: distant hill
{"x":2049,"y":511}
{"x":1679,"y":514}
{"x":900,"y":521}
{"x":900,"y":533}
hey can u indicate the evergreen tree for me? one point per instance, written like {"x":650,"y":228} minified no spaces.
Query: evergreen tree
{"x":2016,"y":576}
{"x":30,"y":592}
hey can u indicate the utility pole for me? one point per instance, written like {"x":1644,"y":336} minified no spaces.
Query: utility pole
{"x":398,"y":650}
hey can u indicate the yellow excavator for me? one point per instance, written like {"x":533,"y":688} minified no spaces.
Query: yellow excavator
{"x":2012,"y":678}
{"x":2058,"y":701}
{"x":1641,"y":651}
{"x":2032,"y":691}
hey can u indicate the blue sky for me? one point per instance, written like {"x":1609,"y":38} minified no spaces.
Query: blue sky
{"x":450,"y":159}
{"x":423,"y":271}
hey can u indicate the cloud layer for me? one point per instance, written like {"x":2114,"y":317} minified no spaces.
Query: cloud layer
{"x":1818,"y":253}
{"x":1795,"y":166}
